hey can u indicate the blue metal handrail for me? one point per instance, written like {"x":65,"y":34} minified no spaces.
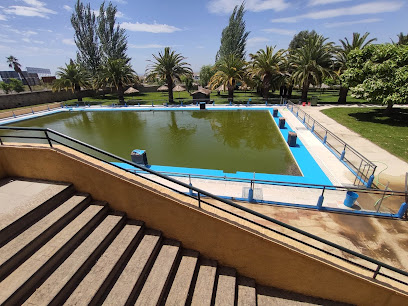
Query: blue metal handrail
{"x":48,"y":132}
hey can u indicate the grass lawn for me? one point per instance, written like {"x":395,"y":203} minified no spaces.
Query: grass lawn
{"x":389,"y":132}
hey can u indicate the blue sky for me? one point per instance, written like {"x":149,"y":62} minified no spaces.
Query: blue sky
{"x":39,"y":32}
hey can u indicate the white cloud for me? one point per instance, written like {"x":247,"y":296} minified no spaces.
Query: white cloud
{"x":361,"y":9}
{"x":36,"y":9}
{"x":151,"y":28}
{"x":67,"y":8}
{"x":348,"y":23}
{"x":120,"y":1}
{"x":280,"y":31}
{"x":2,"y":17}
{"x":119,"y":14}
{"x":31,"y":41}
{"x":255,"y":41}
{"x":226,"y":6}
{"x":323,"y":2}
{"x":24,"y":33}
{"x":68,"y":41}
{"x":7,"y":40}
{"x":146,"y":46}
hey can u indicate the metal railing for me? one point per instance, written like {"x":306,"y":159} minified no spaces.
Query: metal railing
{"x":203,"y":197}
{"x":359,"y":165}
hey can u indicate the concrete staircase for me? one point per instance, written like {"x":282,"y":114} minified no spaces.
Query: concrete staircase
{"x":60,"y":247}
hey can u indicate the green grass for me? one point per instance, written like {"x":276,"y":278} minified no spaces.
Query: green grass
{"x":389,"y":132}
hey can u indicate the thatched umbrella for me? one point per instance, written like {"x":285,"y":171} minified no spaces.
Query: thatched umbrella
{"x":179,"y":88}
{"x":131,"y":90}
{"x":163,"y":88}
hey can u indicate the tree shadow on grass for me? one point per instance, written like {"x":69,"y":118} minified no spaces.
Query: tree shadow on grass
{"x":398,"y":116}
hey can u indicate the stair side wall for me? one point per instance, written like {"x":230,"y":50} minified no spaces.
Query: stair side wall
{"x":269,"y":262}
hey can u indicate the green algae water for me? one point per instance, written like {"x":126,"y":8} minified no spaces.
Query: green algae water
{"x":231,"y":141}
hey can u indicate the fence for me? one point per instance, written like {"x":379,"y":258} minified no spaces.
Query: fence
{"x":359,"y":165}
{"x":206,"y":200}
{"x":29,"y":110}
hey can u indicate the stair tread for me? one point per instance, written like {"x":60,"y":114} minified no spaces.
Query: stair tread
{"x":182,"y":281}
{"x":155,"y":283}
{"x":26,"y":270}
{"x":225,"y":294}
{"x":60,"y":277}
{"x":133,"y":270}
{"x":23,"y":196}
{"x":26,"y":238}
{"x":246,"y":291}
{"x":89,"y":286}
{"x":204,"y":287}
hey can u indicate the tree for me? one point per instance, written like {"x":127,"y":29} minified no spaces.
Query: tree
{"x":168,"y":66}
{"x":117,"y":73}
{"x":267,"y":65}
{"x":187,"y":81}
{"x":16,"y":85}
{"x":379,"y":74}
{"x":71,"y":77}
{"x":300,"y":38}
{"x":84,"y":22}
{"x":402,"y":39}
{"x":358,"y":42}
{"x":113,"y":39}
{"x":230,"y":69}
{"x":5,"y":87}
{"x":13,"y":63}
{"x":311,"y":63}
{"x":206,"y":73}
{"x":234,"y":36}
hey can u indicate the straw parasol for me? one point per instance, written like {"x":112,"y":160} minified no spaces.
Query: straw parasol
{"x":131,"y":90}
{"x":163,"y":88}
{"x":179,"y":88}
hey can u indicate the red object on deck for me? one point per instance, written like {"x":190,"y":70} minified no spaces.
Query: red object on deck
{"x":304,"y":103}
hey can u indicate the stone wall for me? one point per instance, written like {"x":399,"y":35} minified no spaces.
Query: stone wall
{"x":37,"y":97}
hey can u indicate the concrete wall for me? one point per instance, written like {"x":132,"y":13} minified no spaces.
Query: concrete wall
{"x":27,"y":110}
{"x":268,"y":261}
{"x":36,"y":97}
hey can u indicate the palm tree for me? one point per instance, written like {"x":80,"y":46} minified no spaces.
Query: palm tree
{"x":116,"y":73}
{"x":267,"y":66}
{"x":358,"y":42}
{"x":71,"y":77}
{"x":230,"y":69}
{"x":311,"y":63}
{"x":13,"y":63}
{"x":168,"y":66}
{"x":402,"y":39}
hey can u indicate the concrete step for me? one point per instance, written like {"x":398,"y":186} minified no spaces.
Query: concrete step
{"x":226,"y":286}
{"x":99,"y":280}
{"x":22,"y":281}
{"x":246,"y":291}
{"x":204,"y":287}
{"x":182,"y":282}
{"x":135,"y":272}
{"x":23,"y":202}
{"x":59,"y":285}
{"x":24,"y":245}
{"x":160,"y":274}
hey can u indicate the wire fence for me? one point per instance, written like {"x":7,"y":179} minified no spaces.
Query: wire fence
{"x":359,"y":165}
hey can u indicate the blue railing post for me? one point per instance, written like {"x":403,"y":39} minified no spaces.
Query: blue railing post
{"x":343,"y":153}
{"x":370,"y":181}
{"x":14,"y":115}
{"x":402,"y":210}
{"x":325,"y":138}
{"x":312,"y":129}
{"x":190,"y":191}
{"x":304,"y":118}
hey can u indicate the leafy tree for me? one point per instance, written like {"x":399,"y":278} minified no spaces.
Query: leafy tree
{"x":206,"y":73}
{"x":267,"y":66}
{"x":312,"y":62}
{"x":234,"y":36}
{"x":84,"y":22}
{"x":379,"y":74}
{"x":16,"y":85}
{"x":5,"y":87}
{"x":300,"y":38}
{"x":13,"y":63}
{"x":402,"y":39}
{"x":358,"y":42}
{"x":168,"y":66}
{"x":71,"y":77}
{"x":188,"y":81}
{"x":113,"y":39}
{"x":230,"y":69}
{"x":116,"y":73}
